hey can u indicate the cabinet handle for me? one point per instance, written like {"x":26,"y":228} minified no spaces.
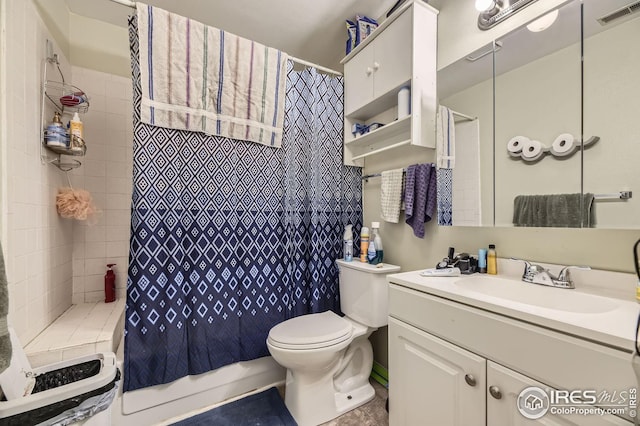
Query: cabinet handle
{"x":471,"y":381}
{"x":369,"y":70}
{"x":495,"y":392}
{"x":376,"y":66}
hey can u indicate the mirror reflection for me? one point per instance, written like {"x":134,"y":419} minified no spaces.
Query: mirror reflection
{"x":538,"y":100}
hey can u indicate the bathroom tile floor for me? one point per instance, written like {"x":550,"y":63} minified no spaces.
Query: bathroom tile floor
{"x":373,"y":413}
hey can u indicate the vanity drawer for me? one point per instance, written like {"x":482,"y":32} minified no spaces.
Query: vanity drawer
{"x":556,"y":359}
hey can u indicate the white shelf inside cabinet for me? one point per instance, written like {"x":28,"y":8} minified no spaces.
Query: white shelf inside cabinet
{"x":392,"y":135}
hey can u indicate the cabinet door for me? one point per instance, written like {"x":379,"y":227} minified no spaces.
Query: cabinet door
{"x":392,"y":63}
{"x":432,"y":381}
{"x":504,"y":387}
{"x":358,"y":77}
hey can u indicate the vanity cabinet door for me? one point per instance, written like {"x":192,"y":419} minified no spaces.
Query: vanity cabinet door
{"x":432,"y":381}
{"x":504,"y":387}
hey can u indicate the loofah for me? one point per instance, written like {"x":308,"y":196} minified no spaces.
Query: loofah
{"x":75,"y":204}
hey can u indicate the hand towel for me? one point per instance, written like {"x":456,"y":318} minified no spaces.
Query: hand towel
{"x":391,"y":195}
{"x":554,"y":210}
{"x":200,"y":78}
{"x":445,"y":138}
{"x":5,"y":340}
{"x":420,"y":196}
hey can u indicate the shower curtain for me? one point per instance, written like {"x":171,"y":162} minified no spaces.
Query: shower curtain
{"x":229,"y":238}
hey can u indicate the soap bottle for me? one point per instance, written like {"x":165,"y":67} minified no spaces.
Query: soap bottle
{"x":56,"y":133}
{"x":364,"y":244}
{"x":492,"y":260}
{"x":374,"y":253}
{"x":347,"y":244}
{"x":75,"y":134}
{"x":110,"y":284}
{"x":482,"y":261}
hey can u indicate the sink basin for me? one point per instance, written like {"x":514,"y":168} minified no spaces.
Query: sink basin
{"x":537,"y":295}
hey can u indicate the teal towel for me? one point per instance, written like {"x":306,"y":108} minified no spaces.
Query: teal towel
{"x":555,"y":210}
{"x":5,"y":341}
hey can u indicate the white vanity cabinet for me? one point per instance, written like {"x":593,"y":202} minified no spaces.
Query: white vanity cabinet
{"x":453,"y":364}
{"x":434,"y":382}
{"x":401,"y":52}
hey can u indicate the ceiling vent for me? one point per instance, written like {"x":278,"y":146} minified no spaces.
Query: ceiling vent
{"x":620,"y":13}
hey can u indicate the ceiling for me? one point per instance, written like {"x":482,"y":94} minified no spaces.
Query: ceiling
{"x":311,"y":30}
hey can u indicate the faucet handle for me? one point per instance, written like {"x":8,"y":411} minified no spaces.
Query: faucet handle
{"x":530,"y":270}
{"x":565,"y":275}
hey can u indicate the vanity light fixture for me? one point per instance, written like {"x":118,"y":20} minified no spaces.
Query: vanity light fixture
{"x":492,"y":12}
{"x":543,"y":22}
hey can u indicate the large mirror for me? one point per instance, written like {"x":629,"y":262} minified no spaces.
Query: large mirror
{"x":544,"y":96}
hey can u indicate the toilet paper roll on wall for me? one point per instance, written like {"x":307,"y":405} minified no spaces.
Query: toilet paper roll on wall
{"x":515,"y":145}
{"x":533,"y":150}
{"x":563,"y":145}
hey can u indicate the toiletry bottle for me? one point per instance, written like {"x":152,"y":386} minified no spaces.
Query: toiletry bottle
{"x":364,"y":243}
{"x":482,"y":261}
{"x":76,"y":132}
{"x":110,"y":284}
{"x":492,"y":260}
{"x":374,"y":253}
{"x":347,"y":244}
{"x":56,"y":133}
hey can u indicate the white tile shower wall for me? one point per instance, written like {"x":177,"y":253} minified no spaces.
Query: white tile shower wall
{"x":466,"y":175}
{"x":39,"y":243}
{"x":107,"y":174}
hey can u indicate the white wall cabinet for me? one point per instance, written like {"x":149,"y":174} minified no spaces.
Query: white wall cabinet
{"x":452,"y":364}
{"x":400,"y":53}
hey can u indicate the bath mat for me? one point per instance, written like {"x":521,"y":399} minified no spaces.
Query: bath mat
{"x":265,"y":409}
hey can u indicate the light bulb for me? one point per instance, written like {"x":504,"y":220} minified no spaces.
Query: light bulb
{"x":543,"y":22}
{"x":482,"y":5}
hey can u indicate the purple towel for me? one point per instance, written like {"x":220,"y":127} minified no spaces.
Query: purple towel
{"x":420,"y":196}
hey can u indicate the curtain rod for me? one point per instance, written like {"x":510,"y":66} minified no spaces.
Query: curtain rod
{"x":127,"y":3}
{"x":318,"y":67}
{"x":132,"y":4}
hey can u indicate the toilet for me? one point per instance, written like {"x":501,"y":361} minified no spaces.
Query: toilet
{"x":329,"y":358}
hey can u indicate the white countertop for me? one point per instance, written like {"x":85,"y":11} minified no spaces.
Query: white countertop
{"x":613,"y":327}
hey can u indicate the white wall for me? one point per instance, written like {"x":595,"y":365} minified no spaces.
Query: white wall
{"x":38,"y":243}
{"x":107,"y":174}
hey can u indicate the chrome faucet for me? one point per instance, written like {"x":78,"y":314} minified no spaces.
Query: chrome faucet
{"x":537,"y":274}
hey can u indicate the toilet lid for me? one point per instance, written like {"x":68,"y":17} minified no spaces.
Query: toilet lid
{"x":311,"y":331}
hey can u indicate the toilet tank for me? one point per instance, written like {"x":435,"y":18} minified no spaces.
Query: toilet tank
{"x":364,"y":291}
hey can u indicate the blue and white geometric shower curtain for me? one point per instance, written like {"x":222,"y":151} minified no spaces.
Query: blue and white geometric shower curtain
{"x":230,"y":237}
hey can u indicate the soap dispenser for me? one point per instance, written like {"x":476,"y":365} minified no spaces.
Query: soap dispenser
{"x":110,"y":284}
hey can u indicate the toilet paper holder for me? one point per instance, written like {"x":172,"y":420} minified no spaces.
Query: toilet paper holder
{"x":563,"y":146}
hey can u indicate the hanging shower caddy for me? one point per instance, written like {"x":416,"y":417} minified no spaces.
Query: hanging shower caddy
{"x":53,"y":91}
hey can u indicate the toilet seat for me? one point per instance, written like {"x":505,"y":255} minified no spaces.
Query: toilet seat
{"x":312,"y":331}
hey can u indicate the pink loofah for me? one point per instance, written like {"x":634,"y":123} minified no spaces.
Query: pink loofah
{"x":75,"y":204}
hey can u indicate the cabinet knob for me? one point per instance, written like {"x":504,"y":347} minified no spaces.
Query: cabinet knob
{"x":376,"y":66}
{"x":495,"y":392}
{"x":369,"y":70}
{"x":471,"y":381}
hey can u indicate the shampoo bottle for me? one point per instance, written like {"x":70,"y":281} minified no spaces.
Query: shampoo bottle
{"x":110,"y":284}
{"x":374,"y":253}
{"x":364,"y":244}
{"x":76,"y":133}
{"x":347,"y":244}
{"x":492,"y":260}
